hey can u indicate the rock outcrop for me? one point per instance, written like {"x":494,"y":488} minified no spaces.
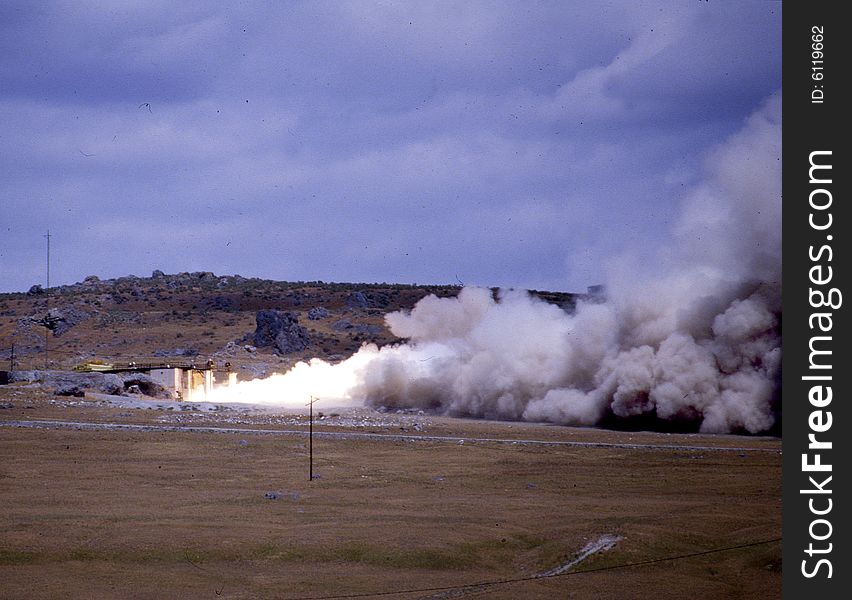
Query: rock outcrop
{"x":280,"y":330}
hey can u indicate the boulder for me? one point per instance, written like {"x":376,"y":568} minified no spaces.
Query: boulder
{"x":60,"y":320}
{"x":280,"y":330}
{"x":357,"y":300}
{"x":70,"y":390}
{"x":342,"y":325}
{"x":318,"y":312}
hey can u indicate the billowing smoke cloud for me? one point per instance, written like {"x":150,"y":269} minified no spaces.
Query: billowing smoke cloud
{"x":694,"y":338}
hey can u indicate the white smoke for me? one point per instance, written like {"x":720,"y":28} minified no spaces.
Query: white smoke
{"x":696,"y":339}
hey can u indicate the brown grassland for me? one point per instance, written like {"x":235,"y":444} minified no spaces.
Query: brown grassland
{"x":179,"y":514}
{"x":171,"y":514}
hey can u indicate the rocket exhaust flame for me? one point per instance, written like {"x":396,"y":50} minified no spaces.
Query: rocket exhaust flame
{"x":697,"y":341}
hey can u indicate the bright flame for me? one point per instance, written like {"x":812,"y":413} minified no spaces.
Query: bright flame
{"x":323,"y":381}
{"x":335,"y":385}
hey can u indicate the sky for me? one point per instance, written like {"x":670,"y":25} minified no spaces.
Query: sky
{"x":515,"y":144}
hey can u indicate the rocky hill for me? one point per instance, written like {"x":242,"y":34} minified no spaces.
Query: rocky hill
{"x":257,"y":325}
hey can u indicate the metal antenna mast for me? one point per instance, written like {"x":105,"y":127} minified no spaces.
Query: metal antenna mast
{"x":47,"y":302}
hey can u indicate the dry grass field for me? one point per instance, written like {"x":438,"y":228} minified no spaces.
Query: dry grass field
{"x":175,"y":514}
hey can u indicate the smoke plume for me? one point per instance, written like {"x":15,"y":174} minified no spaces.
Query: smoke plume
{"x":694,"y":339}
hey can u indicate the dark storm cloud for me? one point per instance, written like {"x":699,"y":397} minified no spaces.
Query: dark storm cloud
{"x":505,"y":143}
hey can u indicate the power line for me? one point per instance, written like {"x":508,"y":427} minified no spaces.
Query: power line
{"x":495,"y":582}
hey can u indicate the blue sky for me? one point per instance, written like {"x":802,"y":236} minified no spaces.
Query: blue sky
{"x":516,"y":144}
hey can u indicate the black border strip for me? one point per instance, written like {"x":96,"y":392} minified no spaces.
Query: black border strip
{"x":815,"y":64}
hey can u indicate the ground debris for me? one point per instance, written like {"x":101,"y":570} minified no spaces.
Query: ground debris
{"x":282,"y":495}
{"x":602,"y":544}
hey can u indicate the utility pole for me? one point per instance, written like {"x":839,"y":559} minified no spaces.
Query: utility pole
{"x":47,"y":302}
{"x":12,"y":359}
{"x":311,"y":439}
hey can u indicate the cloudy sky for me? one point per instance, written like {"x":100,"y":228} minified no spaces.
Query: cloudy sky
{"x":494,"y":143}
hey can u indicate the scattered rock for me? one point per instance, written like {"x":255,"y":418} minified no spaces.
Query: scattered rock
{"x":295,"y":299}
{"x":6,"y":405}
{"x":221,"y":303}
{"x":347,"y":325}
{"x":60,"y":320}
{"x":372,"y":299}
{"x":377,"y":299}
{"x":118,"y":317}
{"x":66,"y":381}
{"x":255,"y":371}
{"x":157,"y":274}
{"x":318,"y":312}
{"x":368,"y":329}
{"x":35,"y":290}
{"x":228,"y":350}
{"x":278,"y":495}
